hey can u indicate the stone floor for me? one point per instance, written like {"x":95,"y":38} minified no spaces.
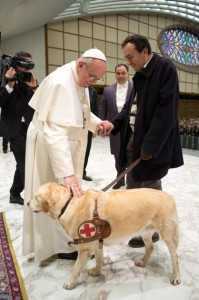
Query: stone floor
{"x":121,"y":279}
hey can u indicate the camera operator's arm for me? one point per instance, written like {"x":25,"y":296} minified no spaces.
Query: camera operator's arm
{"x":9,"y":87}
{"x":11,"y":79}
{"x":33,"y":83}
{"x":28,"y":110}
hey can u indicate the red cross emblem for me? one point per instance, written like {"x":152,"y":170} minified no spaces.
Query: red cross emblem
{"x":87,"y":230}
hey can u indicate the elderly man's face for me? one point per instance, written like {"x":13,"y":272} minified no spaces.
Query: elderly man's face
{"x":88,"y":74}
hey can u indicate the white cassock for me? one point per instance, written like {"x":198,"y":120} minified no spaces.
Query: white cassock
{"x":55,"y":148}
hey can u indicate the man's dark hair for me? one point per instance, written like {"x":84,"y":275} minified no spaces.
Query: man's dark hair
{"x":121,"y":65}
{"x":23,"y":54}
{"x":139,"y":41}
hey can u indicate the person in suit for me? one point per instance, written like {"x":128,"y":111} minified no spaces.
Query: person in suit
{"x":94,"y":109}
{"x":113,"y":100}
{"x":3,"y":134}
{"x":16,"y":115}
{"x":156,"y":138}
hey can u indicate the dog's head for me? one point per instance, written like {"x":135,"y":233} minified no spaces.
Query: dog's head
{"x":50,"y":198}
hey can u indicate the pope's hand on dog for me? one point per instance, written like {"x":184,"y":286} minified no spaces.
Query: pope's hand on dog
{"x":71,"y":182}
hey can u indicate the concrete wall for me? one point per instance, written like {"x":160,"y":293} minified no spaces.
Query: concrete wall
{"x":32,"y":42}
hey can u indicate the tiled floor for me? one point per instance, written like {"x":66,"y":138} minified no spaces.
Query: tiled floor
{"x":121,"y":279}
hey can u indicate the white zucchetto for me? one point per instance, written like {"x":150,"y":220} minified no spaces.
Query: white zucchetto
{"x":94,"y":53}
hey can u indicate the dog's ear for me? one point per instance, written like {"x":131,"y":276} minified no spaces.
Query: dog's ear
{"x":45,"y":206}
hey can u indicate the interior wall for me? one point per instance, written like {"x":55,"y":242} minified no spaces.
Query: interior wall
{"x":189,"y":109}
{"x":32,"y":42}
{"x":66,"y":40}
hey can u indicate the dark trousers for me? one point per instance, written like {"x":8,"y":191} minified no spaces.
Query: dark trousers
{"x":88,"y":148}
{"x":5,"y":144}
{"x":119,"y":167}
{"x":132,"y":184}
{"x":17,"y":146}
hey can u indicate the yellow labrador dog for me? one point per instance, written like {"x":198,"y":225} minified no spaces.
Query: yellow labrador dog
{"x":127,"y":211}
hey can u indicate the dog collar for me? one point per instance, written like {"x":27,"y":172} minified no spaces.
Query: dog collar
{"x":65,"y":206}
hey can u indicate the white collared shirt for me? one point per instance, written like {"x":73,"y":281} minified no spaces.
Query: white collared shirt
{"x":121,"y":92}
{"x":9,"y":89}
{"x":148,"y":61}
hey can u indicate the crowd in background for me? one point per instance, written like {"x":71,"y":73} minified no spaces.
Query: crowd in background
{"x":189,"y":133}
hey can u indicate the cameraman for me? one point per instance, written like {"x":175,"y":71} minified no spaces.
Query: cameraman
{"x":16,"y":114}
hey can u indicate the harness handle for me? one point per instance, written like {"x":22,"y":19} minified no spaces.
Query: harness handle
{"x":126,"y":171}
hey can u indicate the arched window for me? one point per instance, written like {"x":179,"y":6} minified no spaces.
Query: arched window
{"x":181,"y":44}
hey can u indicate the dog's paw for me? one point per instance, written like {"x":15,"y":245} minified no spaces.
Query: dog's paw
{"x":69,"y":285}
{"x":94,"y":272}
{"x":175,"y":281}
{"x":139,"y":262}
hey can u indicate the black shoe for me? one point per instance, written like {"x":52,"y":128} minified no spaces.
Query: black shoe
{"x":16,"y":199}
{"x":70,"y":256}
{"x":87,"y":178}
{"x":138,"y":242}
{"x":118,"y":185}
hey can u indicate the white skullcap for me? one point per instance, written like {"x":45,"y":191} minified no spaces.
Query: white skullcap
{"x":94,"y":53}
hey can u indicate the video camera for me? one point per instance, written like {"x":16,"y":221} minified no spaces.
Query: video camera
{"x":8,"y":61}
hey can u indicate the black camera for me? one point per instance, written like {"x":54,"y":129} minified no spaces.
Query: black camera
{"x":8,"y":61}
{"x":24,"y":76}
{"x":22,"y":62}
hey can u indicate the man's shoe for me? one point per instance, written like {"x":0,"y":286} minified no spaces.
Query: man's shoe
{"x":16,"y":199}
{"x":5,"y":150}
{"x":87,"y":178}
{"x":138,"y":242}
{"x":70,"y":256}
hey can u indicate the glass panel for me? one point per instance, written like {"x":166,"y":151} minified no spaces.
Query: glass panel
{"x":180,"y":45}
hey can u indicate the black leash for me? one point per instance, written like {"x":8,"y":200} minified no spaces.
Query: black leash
{"x":126,"y":171}
{"x":107,"y":187}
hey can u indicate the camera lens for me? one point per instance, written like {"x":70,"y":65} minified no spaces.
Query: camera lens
{"x":24,"y":76}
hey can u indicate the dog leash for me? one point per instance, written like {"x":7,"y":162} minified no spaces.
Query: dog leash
{"x":126,"y":171}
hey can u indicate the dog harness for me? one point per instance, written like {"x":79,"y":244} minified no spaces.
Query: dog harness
{"x":92,"y":230}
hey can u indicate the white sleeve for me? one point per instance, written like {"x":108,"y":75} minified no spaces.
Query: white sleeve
{"x":58,"y":149}
{"x":93,"y":122}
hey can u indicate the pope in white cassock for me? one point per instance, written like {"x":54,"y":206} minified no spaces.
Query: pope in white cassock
{"x":56,"y":142}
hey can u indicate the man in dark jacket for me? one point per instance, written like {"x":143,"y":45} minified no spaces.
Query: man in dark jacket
{"x":156,"y":136}
{"x":16,"y":115}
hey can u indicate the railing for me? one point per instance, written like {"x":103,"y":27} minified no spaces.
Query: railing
{"x":189,"y":141}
